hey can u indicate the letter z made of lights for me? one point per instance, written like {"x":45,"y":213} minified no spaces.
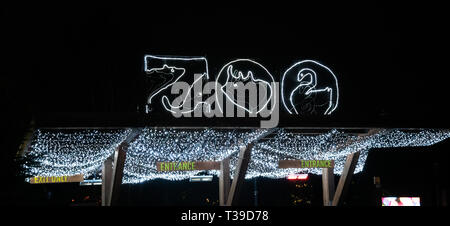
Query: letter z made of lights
{"x":164,"y":72}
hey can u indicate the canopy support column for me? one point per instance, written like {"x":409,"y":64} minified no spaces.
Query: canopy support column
{"x":113,"y":171}
{"x":106,"y":181}
{"x":224,"y":181}
{"x":328,"y":185}
{"x":239,"y":175}
{"x":346,"y":177}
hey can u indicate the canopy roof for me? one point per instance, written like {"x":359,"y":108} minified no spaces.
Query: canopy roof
{"x":73,"y":151}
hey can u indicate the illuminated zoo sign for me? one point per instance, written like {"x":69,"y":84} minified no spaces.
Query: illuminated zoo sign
{"x":183,"y":86}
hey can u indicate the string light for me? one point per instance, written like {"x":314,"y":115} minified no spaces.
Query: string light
{"x":167,"y":145}
{"x":59,"y":153}
{"x":164,"y":100}
{"x":229,"y":67}
{"x":73,"y":152}
{"x":168,"y":106}
{"x":172,"y":70}
{"x":334,"y":145}
{"x":332,"y":89}
{"x":182,"y":59}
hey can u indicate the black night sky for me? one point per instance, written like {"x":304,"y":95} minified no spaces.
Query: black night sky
{"x":82,"y":65}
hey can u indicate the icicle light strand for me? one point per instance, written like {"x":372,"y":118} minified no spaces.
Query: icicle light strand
{"x":83,"y":151}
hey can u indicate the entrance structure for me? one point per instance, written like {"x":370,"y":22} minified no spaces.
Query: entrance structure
{"x":130,"y":155}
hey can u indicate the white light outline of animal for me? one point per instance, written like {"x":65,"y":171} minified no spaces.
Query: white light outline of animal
{"x":253,"y":79}
{"x":311,"y":89}
{"x":311,"y":61}
{"x":165,"y":81}
{"x":244,"y":78}
{"x":149,"y":100}
{"x":184,"y":101}
{"x":176,"y":58}
{"x":184,"y":70}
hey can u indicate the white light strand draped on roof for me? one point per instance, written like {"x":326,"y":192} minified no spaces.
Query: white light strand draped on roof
{"x":170,"y":145}
{"x":64,"y":152}
{"x":68,"y":153}
{"x":330,"y":146}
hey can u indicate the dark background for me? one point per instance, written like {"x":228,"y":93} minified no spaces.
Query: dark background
{"x":81,"y":65}
{"x":88,"y":59}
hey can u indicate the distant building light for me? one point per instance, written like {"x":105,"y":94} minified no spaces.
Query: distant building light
{"x":90,"y":182}
{"x":376,"y":180}
{"x":201,"y":178}
{"x":298,"y":177}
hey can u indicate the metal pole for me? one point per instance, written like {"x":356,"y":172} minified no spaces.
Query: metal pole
{"x":346,"y":177}
{"x":239,"y":175}
{"x":106,"y":182}
{"x":224,"y":181}
{"x":255,"y":193}
{"x":328,"y":185}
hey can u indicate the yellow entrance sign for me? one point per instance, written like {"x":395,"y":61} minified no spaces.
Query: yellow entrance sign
{"x":186,"y":166}
{"x":306,"y":164}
